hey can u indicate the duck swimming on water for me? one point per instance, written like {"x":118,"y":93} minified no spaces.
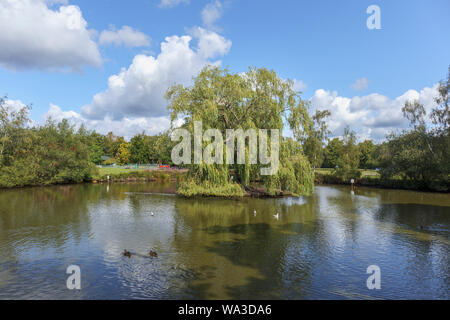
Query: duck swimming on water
{"x":127,"y":253}
{"x":153,"y":254}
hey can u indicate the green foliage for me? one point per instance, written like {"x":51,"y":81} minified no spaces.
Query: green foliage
{"x":123,"y":153}
{"x":95,"y":153}
{"x":163,"y":148}
{"x":421,"y":155}
{"x":209,"y":180}
{"x":304,"y":175}
{"x":49,"y":154}
{"x":254,"y":100}
{"x":316,"y":137}
{"x":139,"y":150}
{"x":333,"y":152}
{"x":367,"y":155}
{"x":109,"y":162}
{"x":348,"y":161}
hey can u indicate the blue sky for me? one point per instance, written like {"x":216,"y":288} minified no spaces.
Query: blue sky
{"x":363,"y":76}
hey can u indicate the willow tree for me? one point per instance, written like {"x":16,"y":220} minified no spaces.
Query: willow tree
{"x":257,"y":99}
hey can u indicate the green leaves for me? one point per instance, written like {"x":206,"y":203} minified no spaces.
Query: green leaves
{"x":48,"y":154}
{"x":257,"y":99}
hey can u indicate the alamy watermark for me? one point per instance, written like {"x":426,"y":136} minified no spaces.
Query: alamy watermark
{"x":74,"y":280}
{"x":374,"y":280}
{"x":235,"y":140}
{"x":374,"y":20}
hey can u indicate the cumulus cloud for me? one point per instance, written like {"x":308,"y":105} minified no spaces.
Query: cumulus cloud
{"x":360,"y":84}
{"x":14,"y":105}
{"x":126,"y":127}
{"x":126,"y":36}
{"x":34,"y":35}
{"x":211,"y":13}
{"x":139,"y":90}
{"x":371,"y":116}
{"x":171,"y":3}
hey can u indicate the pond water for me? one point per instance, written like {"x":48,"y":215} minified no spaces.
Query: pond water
{"x":319,"y":247}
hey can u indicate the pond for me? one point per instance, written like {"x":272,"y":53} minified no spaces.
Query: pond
{"x":318,"y":247}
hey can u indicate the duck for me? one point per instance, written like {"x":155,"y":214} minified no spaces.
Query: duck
{"x":127,"y":253}
{"x":152,"y":214}
{"x":153,"y":254}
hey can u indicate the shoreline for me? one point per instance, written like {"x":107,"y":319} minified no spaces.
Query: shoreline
{"x":174,"y":176}
{"x":374,"y":182}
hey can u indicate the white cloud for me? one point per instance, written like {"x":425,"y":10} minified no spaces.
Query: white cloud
{"x":14,"y":105}
{"x":371,"y":116}
{"x":171,"y":3}
{"x":211,"y":13}
{"x":126,"y":36}
{"x":139,"y":90}
{"x":360,"y":84}
{"x":32,"y":35}
{"x":210,"y":44}
{"x":126,"y":127}
{"x":299,"y":85}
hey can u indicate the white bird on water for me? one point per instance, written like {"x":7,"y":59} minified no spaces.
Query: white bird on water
{"x":276,"y":216}
{"x":152,"y":214}
{"x":254,"y":213}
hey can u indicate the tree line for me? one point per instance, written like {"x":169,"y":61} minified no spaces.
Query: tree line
{"x":60,"y":153}
{"x":419,"y":155}
{"x":141,"y":149}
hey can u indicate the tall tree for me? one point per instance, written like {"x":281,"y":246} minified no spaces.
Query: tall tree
{"x":258,"y":99}
{"x":367,"y":154}
{"x":123,"y":154}
{"x":12,"y":124}
{"x":139,"y":150}
{"x":333,"y":152}
{"x":348,"y":162}
{"x":316,"y":138}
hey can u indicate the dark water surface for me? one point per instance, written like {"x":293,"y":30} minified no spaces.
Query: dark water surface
{"x":320,"y":247}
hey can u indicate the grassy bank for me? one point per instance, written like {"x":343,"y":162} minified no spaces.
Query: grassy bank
{"x":123,"y":175}
{"x":370,"y":178}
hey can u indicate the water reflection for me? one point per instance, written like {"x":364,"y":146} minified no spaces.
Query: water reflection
{"x":319,"y":247}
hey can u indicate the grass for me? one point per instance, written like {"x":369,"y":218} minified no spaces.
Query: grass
{"x":364,"y":172}
{"x":121,"y":174}
{"x":371,"y":178}
{"x":114,"y":171}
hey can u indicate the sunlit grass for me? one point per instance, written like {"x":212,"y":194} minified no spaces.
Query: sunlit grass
{"x":114,"y":171}
{"x":364,"y":172}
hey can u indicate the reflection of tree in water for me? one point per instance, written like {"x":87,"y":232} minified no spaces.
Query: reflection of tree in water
{"x":247,"y":256}
{"x":213,"y":248}
{"x":44,"y":217}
